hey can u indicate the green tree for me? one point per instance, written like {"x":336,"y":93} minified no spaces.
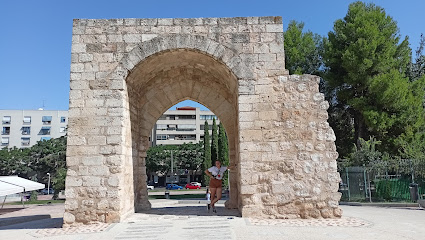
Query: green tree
{"x":16,"y":161}
{"x":187,"y":156}
{"x":366,"y":154}
{"x":214,"y":143}
{"x":366,"y":72}
{"x":47,"y":156}
{"x":303,"y":50}
{"x":190,"y":156}
{"x":207,"y":154}
{"x":417,"y":68}
{"x":158,"y":158}
{"x":223,"y":150}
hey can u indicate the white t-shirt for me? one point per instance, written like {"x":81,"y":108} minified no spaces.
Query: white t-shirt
{"x":217,"y":173}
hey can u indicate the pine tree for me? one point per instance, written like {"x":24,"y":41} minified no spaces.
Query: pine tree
{"x":223,"y":150}
{"x":367,"y":64}
{"x":214,"y":143}
{"x":207,"y":154}
{"x":303,"y":50}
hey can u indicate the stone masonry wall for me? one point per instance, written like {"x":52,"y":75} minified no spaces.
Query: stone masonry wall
{"x":288,"y":167}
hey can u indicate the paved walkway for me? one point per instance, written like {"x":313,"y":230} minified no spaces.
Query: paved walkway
{"x":170,"y":219}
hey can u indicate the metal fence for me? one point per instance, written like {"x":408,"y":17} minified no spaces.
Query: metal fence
{"x":360,"y":184}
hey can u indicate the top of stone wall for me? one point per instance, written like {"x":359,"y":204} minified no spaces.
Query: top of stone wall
{"x":178,"y":21}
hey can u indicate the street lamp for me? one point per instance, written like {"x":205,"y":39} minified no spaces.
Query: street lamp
{"x":48,"y":184}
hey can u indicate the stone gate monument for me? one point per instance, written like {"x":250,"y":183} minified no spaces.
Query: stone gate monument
{"x":125,"y":73}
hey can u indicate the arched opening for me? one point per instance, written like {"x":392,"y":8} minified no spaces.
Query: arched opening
{"x":166,"y":78}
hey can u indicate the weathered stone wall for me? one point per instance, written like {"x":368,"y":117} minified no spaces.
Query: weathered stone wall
{"x":288,"y":167}
{"x":126,"y":72}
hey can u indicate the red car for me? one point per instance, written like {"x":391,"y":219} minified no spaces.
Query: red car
{"x":192,"y":186}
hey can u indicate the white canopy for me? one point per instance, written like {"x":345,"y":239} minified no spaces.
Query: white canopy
{"x":15,"y":184}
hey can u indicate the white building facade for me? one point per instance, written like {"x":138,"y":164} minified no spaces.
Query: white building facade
{"x":24,"y":128}
{"x":183,"y":125}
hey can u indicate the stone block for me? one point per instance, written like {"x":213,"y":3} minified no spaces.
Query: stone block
{"x":248,"y":116}
{"x":98,"y":170}
{"x":73,"y":181}
{"x":251,"y":135}
{"x":68,"y":218}
{"x":76,"y":141}
{"x":165,"y":21}
{"x":246,"y":189}
{"x":96,"y":140}
{"x":78,"y":48}
{"x":77,"y":67}
{"x":92,"y":160}
{"x":91,"y":181}
{"x":261,"y":48}
{"x":268,"y":115}
{"x":114,"y":180}
{"x":274,"y":28}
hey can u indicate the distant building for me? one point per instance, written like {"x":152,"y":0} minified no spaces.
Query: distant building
{"x":175,"y":127}
{"x":24,"y":128}
{"x":183,"y":125}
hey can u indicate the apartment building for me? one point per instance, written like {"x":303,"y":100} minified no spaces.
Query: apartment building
{"x":24,"y":128}
{"x":183,"y":125}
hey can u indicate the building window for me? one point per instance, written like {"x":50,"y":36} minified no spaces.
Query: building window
{"x":7,"y":120}
{"x":182,"y":137}
{"x":186,"y":117}
{"x":62,"y":129}
{"x":45,"y":138}
{"x":25,"y":141}
{"x":161,"y":127}
{"x":44,"y":131}
{"x":26,"y":130}
{"x":208,"y":117}
{"x":4,"y":141}
{"x":47,"y":120}
{"x":5,"y":131}
{"x":63,"y":119}
{"x":27,"y":120}
{"x":163,"y":117}
{"x":161,"y":137}
{"x":171,"y":127}
{"x":186,"y":127}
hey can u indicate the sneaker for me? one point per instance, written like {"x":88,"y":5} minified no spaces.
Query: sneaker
{"x":214,"y":210}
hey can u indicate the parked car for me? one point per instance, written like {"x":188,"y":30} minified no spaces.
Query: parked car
{"x":150,"y":187}
{"x":192,"y":186}
{"x":44,"y":191}
{"x":196,"y":183}
{"x":173,"y":187}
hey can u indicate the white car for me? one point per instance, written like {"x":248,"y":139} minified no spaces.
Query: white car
{"x":196,"y":183}
{"x":150,"y":187}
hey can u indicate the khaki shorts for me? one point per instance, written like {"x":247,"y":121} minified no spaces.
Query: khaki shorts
{"x":215,"y":183}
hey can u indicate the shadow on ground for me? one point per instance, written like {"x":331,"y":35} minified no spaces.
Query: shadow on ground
{"x":30,"y":222}
{"x":193,"y":211}
{"x":9,"y":210}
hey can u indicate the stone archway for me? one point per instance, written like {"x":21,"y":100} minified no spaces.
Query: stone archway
{"x":126,"y":72}
{"x":168,"y":77}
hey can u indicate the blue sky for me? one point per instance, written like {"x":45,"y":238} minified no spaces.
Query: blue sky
{"x":35,"y":40}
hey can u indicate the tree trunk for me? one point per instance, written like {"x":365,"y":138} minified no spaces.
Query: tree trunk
{"x":360,"y":128}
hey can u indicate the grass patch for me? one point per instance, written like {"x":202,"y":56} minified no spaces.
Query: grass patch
{"x":177,"y":197}
{"x":36,"y":202}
